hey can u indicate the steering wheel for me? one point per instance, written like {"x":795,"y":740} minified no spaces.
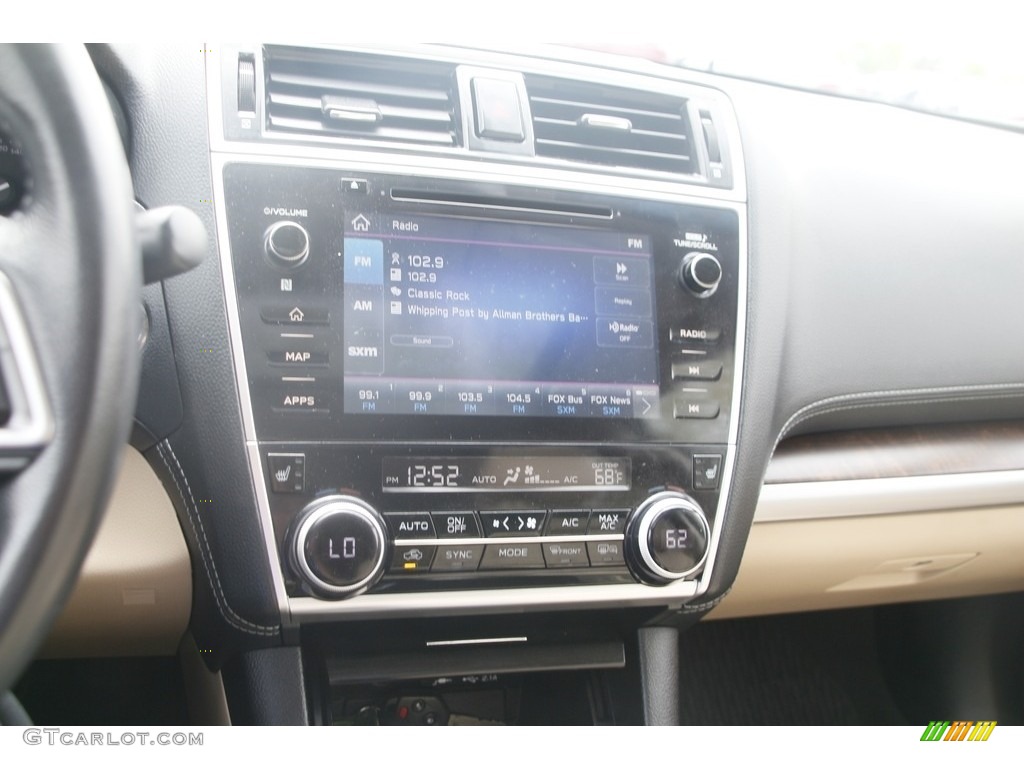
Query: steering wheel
{"x":70,"y":281}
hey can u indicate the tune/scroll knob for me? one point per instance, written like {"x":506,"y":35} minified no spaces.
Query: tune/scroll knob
{"x":286,"y":244}
{"x":666,"y":538}
{"x":338,"y":546}
{"x":701,"y":273}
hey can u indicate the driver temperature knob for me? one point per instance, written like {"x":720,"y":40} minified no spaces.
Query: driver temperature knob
{"x":338,"y":546}
{"x":666,"y":538}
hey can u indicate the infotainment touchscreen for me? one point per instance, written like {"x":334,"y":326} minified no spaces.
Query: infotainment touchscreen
{"x":475,"y":317}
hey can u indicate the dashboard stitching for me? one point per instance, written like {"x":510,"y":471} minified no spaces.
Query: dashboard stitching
{"x":812,"y":410}
{"x":705,"y":606}
{"x":209,"y":564}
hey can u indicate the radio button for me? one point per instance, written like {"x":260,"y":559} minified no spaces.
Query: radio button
{"x":410,"y":525}
{"x":567,"y":522}
{"x":411,"y":558}
{"x":457,"y":557}
{"x":692,"y":408}
{"x":517,"y":400}
{"x":605,"y":553}
{"x":524,"y":523}
{"x":456,"y":525}
{"x":694,"y":334}
{"x":566,"y":554}
{"x":697,"y":370}
{"x":607,"y":521}
{"x":502,"y":557}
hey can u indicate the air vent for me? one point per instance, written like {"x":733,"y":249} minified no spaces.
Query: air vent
{"x":605,"y":125}
{"x":364,"y":96}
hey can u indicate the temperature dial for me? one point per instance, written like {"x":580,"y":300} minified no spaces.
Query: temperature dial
{"x":666,"y":538}
{"x":339,"y":546}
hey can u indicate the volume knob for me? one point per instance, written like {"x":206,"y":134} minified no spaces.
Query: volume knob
{"x":666,"y":538}
{"x":338,"y":546}
{"x":286,"y":244}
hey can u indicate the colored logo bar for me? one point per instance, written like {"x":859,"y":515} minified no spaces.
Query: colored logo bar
{"x":959,"y":730}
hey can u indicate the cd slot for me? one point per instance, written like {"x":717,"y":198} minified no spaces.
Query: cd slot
{"x":500,"y":203}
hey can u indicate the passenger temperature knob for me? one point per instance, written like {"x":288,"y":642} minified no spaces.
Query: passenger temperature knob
{"x":666,"y":538}
{"x":338,"y":546}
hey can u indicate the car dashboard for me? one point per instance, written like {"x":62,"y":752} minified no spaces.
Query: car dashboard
{"x":513,"y":366}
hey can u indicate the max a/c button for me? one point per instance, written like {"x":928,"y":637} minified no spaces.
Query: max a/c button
{"x":688,"y":408}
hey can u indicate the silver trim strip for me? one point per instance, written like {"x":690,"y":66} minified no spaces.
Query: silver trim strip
{"x":477,"y":641}
{"x":31,"y":424}
{"x":508,"y":540}
{"x":476,"y":602}
{"x":888,"y":496}
{"x":502,"y":171}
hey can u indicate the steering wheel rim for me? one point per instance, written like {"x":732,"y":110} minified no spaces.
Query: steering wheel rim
{"x":70,"y":256}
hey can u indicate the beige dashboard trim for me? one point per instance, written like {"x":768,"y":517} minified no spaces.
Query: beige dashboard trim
{"x":891,"y":495}
{"x":826,"y":545}
{"x":134,"y":593}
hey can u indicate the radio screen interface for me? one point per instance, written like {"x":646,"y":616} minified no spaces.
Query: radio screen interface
{"x":453,"y":316}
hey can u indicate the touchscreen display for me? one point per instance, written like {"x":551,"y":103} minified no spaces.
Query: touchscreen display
{"x":466,"y":317}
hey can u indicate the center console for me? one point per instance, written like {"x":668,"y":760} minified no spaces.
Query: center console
{"x":490,"y":383}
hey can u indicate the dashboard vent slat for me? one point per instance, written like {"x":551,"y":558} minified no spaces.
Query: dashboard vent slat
{"x":414,"y":101}
{"x":607,"y":125}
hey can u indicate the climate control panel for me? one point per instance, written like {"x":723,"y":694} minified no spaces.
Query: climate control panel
{"x":376,"y":519}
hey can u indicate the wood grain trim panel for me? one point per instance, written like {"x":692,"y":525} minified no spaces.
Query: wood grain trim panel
{"x":899,"y":452}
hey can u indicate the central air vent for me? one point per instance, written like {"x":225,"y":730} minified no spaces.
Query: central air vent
{"x":362,"y":96}
{"x":605,"y":125}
